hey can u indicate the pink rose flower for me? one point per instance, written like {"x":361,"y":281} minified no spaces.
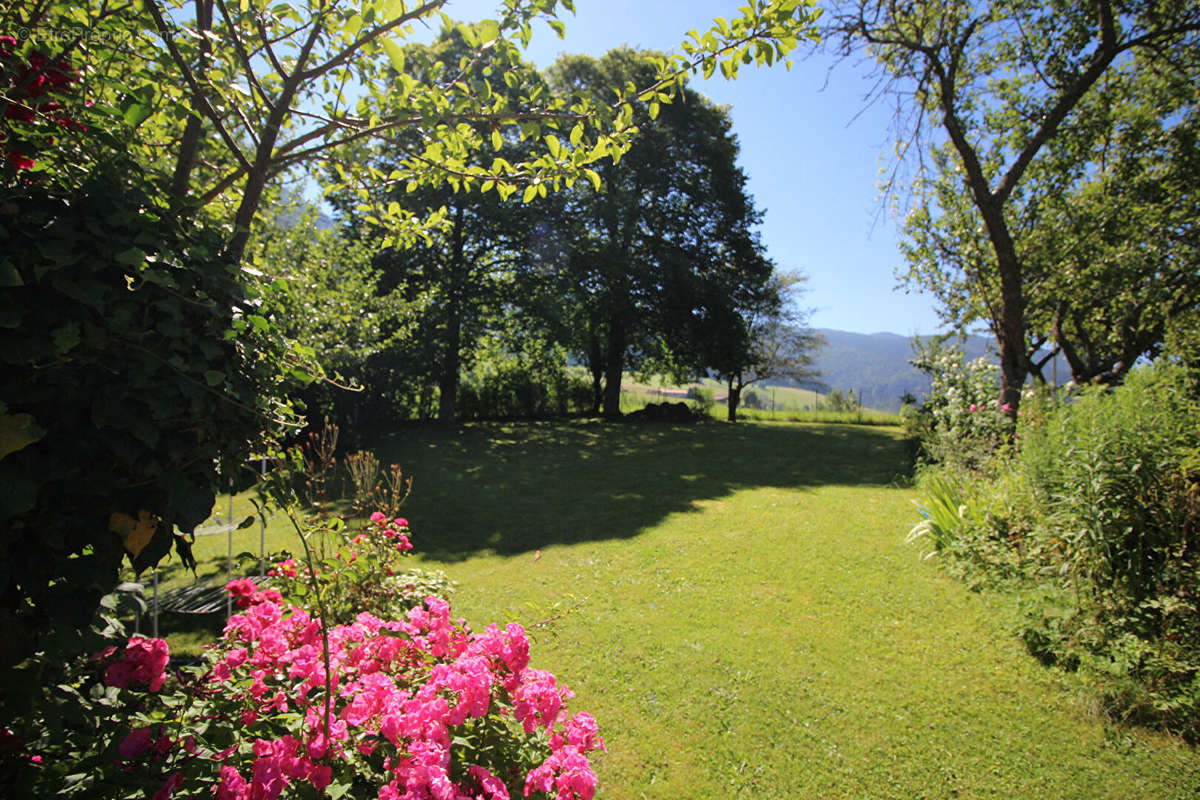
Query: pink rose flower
{"x":136,"y":743}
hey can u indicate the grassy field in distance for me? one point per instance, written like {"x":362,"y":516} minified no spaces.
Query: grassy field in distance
{"x":775,"y":403}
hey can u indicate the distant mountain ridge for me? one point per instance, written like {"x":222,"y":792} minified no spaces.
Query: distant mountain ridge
{"x":876,"y":366}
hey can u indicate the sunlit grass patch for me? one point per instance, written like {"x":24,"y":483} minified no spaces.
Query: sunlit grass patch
{"x":737,"y":607}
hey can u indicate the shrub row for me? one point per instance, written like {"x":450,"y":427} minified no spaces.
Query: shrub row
{"x":1092,"y":516}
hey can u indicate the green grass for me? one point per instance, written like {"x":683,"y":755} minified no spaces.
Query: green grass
{"x":751,"y":622}
{"x":784,"y":404}
{"x":862,"y":416}
{"x":782,"y":398}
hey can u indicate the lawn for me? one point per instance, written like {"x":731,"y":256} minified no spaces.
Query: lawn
{"x":746,"y":620}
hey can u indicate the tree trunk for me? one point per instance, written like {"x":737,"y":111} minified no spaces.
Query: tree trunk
{"x":1010,"y":327}
{"x":597,"y":388}
{"x":596,"y":367}
{"x":614,"y":365}
{"x":448,"y":384}
{"x":189,"y":144}
{"x":1013,"y":363}
{"x":735,"y":397}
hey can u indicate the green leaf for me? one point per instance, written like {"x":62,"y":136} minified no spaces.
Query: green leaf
{"x":20,"y":492}
{"x":530,"y":193}
{"x":66,"y":338}
{"x":18,"y":431}
{"x":137,"y":113}
{"x":9,"y":276}
{"x":214,"y":377}
{"x":132,"y":257}
{"x":395,"y":54}
{"x":488,"y":30}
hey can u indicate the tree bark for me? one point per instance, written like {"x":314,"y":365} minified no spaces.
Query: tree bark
{"x":260,"y":171}
{"x":614,"y":365}
{"x":596,"y":366}
{"x":1010,"y":331}
{"x":1013,"y":364}
{"x":735,"y":398}
{"x":189,"y":145}
{"x":448,"y":384}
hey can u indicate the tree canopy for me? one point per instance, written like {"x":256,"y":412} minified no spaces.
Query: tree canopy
{"x":762,"y":333}
{"x":670,"y":237}
{"x":141,"y":142}
{"x":1003,"y":109}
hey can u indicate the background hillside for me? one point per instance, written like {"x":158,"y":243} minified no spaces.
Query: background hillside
{"x":875,"y":366}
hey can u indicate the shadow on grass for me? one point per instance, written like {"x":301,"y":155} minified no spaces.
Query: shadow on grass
{"x":510,"y":488}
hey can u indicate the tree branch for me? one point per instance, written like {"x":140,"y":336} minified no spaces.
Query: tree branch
{"x":198,"y":96}
{"x":240,"y":47}
{"x":355,"y":47}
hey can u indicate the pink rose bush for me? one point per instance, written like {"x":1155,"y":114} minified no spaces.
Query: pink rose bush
{"x":143,"y":662}
{"x":416,"y":709}
{"x":366,"y":573}
{"x":411,"y":707}
{"x":285,"y":568}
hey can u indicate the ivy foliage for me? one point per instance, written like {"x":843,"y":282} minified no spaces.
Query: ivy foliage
{"x":141,"y":361}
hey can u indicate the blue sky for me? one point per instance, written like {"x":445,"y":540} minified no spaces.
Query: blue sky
{"x":811,"y":149}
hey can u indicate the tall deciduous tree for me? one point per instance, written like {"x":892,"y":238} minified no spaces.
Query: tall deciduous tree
{"x":464,"y":270}
{"x":1116,"y":229}
{"x":762,"y":333}
{"x":669,"y":234}
{"x":189,"y":113}
{"x":225,"y":98}
{"x":1105,"y":225}
{"x":1002,"y":84}
{"x":334,"y":306}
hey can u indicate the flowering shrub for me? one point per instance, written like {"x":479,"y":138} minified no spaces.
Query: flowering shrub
{"x":143,"y":662}
{"x":965,"y":425}
{"x":367,"y":574}
{"x":93,"y":726}
{"x":419,"y":707}
{"x":416,"y":708}
{"x":1093,"y":523}
{"x":402,"y":706}
{"x":30,"y":91}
